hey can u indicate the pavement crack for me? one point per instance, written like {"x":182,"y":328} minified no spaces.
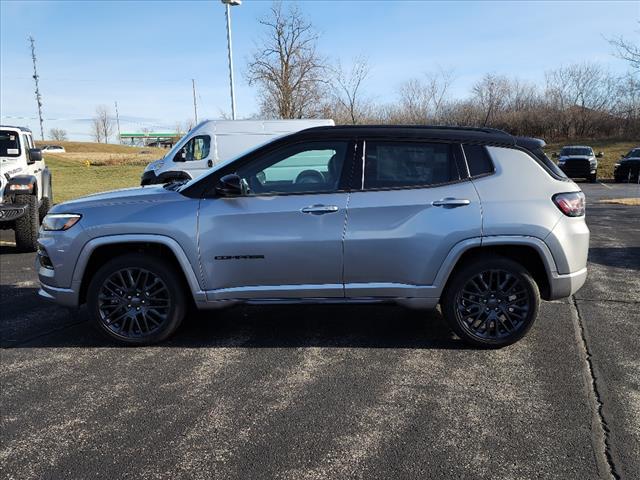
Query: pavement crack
{"x":600,"y":430}
{"x":8,"y":344}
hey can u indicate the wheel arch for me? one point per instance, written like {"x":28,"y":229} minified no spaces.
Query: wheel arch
{"x":532,"y":253}
{"x":97,"y":251}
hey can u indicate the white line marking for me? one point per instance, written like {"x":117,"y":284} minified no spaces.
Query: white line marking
{"x":10,"y":244}
{"x":605,"y":185}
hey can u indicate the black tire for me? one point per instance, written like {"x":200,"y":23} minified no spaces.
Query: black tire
{"x":27,"y":226}
{"x":593,"y":178}
{"x":45,"y":206}
{"x":122,"y":313}
{"x":506,"y":313}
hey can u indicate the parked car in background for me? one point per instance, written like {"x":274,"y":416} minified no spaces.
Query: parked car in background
{"x":53,"y":149}
{"x":628,"y":168}
{"x":579,"y":161}
{"x":25,"y":186}
{"x":476,"y":220}
{"x":215,"y":141}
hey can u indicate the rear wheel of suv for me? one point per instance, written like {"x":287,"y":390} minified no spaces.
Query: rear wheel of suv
{"x":491,"y":302}
{"x":27,"y":226}
{"x":136,"y":299}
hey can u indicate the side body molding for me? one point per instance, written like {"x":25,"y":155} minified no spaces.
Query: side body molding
{"x":83,"y":259}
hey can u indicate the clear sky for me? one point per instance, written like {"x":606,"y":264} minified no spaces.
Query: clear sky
{"x":144,"y":53}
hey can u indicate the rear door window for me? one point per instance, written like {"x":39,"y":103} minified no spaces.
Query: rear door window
{"x":408,"y":164}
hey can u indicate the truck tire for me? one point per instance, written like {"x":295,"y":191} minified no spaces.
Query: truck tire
{"x":27,"y":226}
{"x":45,"y":205}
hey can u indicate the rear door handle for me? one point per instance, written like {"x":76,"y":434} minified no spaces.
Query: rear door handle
{"x":451,"y":202}
{"x":319,"y":209}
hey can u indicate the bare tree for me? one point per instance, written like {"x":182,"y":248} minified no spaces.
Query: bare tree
{"x":490,"y":93}
{"x":347,"y":88}
{"x":422,"y":99}
{"x":96,"y":130}
{"x":103,"y":124}
{"x":58,"y":134}
{"x":286,"y":67}
{"x":627,"y":50}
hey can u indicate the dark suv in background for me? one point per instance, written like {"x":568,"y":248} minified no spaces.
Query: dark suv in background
{"x":628,"y":169}
{"x":579,"y":161}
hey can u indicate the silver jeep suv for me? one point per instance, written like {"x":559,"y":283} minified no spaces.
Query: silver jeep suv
{"x":476,"y":220}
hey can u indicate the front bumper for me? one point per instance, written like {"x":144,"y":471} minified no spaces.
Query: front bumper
{"x":10,"y":212}
{"x":62,"y":296}
{"x":578,"y":170}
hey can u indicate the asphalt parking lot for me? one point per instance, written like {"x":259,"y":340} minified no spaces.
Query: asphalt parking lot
{"x":331,"y":392}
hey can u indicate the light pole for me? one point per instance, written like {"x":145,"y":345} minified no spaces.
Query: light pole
{"x":228,"y":4}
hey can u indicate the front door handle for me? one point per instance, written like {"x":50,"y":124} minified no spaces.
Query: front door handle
{"x":319,"y":209}
{"x":451,"y":202}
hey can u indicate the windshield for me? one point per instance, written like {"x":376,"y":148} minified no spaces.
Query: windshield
{"x":9,"y":144}
{"x":634,"y":153}
{"x":571,"y":151}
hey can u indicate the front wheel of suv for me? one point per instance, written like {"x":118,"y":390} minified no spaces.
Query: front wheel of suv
{"x":136,"y":299}
{"x":593,"y":178}
{"x":491,"y":302}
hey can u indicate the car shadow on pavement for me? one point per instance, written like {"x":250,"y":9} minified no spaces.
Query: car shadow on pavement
{"x":618,"y":257}
{"x":27,"y":321}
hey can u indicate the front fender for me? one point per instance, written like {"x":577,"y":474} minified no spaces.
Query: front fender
{"x":183,"y":261}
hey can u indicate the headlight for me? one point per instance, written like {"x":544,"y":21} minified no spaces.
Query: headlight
{"x":60,"y":221}
{"x":21,"y":188}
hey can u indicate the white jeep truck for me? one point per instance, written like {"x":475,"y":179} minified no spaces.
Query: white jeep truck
{"x":25,"y":186}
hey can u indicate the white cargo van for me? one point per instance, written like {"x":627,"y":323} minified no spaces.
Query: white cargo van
{"x":215,"y":141}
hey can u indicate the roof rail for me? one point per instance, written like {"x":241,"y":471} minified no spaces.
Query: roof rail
{"x":22,"y":129}
{"x":426,"y":127}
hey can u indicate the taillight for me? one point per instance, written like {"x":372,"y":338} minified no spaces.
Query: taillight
{"x":571,"y":203}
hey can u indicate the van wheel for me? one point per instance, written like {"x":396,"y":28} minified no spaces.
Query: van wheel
{"x":136,"y":300}
{"x":491,"y":302}
{"x":27,"y":226}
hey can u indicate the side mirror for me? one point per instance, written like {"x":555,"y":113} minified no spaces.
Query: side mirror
{"x":181,"y":156}
{"x":600,"y":155}
{"x":622,"y":155}
{"x":229,"y":186}
{"x":35,"y":155}
{"x":554,"y":154}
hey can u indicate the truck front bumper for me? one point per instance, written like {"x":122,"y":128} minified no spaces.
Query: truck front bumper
{"x":10,"y":212}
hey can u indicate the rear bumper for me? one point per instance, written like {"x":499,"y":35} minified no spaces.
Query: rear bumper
{"x":563,"y":286}
{"x":11,"y":212}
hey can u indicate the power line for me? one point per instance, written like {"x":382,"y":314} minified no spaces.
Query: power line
{"x":35,"y":78}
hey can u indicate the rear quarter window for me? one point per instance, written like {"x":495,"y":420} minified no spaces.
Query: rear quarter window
{"x":478,"y":160}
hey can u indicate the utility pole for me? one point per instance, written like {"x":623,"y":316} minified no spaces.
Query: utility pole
{"x":118,"y":122}
{"x":228,"y":4}
{"x":195,"y":105}
{"x":35,"y":78}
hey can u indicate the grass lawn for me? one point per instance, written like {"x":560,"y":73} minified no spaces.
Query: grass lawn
{"x":96,"y":167}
